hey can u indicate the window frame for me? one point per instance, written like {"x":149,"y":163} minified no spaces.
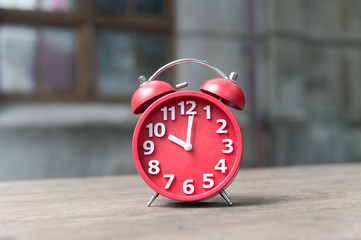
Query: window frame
{"x":85,"y":21}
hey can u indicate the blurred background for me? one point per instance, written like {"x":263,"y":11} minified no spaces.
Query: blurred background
{"x":68,"y":69}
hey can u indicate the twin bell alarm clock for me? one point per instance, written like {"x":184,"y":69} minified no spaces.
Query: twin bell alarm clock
{"x":187,"y":145}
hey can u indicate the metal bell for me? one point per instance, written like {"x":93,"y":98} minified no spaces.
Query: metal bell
{"x":226,"y":90}
{"x":149,"y":92}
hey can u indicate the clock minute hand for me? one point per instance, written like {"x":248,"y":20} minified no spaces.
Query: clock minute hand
{"x":189,"y":129}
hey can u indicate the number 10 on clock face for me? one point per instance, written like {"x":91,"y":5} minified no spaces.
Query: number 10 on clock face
{"x":187,"y":146}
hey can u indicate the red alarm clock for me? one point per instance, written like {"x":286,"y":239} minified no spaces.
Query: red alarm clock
{"x":187,"y":145}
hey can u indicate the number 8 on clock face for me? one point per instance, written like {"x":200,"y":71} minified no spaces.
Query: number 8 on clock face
{"x":187,"y":146}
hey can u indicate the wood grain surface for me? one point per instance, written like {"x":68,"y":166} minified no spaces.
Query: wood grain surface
{"x":305,"y":202}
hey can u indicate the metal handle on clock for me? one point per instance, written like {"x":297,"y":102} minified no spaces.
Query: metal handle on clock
{"x":187,"y":60}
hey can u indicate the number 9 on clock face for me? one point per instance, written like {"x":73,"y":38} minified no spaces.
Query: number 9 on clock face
{"x":187,"y":146}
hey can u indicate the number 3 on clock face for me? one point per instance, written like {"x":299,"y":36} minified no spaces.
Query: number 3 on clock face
{"x":187,"y":146}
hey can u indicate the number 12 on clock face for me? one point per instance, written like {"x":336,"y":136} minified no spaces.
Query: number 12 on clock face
{"x":189,"y":146}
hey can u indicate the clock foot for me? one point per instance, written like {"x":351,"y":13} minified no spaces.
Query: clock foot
{"x":225,"y":197}
{"x":152,"y":198}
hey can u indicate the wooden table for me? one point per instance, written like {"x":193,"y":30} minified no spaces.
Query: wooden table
{"x":307,"y":202}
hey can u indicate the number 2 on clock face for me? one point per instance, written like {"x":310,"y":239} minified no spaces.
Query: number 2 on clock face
{"x":187,"y":146}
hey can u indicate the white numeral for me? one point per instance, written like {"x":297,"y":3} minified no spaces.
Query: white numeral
{"x":228,"y":144}
{"x":149,"y":147}
{"x":165,"y":113}
{"x":207,"y":179}
{"x":159,"y":129}
{"x":157,"y":132}
{"x":181,"y":104}
{"x":190,"y":110}
{"x":224,"y":124}
{"x":171,"y":178}
{"x":208,"y":111}
{"x":172,"y":113}
{"x":150,"y":126}
{"x":153,"y":167}
{"x":188,"y":187}
{"x":221,"y":166}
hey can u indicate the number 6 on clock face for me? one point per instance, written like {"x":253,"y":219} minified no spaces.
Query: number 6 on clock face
{"x":187,"y":146}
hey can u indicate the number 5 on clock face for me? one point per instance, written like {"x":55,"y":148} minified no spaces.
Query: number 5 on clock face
{"x":187,"y":146}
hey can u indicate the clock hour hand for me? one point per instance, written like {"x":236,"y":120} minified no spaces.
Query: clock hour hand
{"x":186,"y":146}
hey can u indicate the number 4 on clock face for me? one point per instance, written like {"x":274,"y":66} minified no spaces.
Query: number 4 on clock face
{"x":189,"y":146}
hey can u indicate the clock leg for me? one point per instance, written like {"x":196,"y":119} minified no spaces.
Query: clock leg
{"x":152,"y":198}
{"x":225,"y":197}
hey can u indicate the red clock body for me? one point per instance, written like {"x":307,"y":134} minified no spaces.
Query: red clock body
{"x":187,"y":146}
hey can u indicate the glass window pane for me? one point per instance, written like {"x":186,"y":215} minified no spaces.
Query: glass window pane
{"x":17,"y":54}
{"x":57,"y":60}
{"x":122,"y":57}
{"x":153,"y":7}
{"x":111,"y":6}
{"x":115,"y":63}
{"x":20,"y":5}
{"x":57,"y":5}
{"x":151,"y":54}
{"x":42,"y":5}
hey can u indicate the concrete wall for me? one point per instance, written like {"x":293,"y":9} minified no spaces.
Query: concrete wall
{"x":55,"y":140}
{"x":312,"y":57}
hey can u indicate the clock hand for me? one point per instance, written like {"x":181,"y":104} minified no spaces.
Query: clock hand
{"x":189,"y":128}
{"x":186,"y":146}
{"x":176,"y":140}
